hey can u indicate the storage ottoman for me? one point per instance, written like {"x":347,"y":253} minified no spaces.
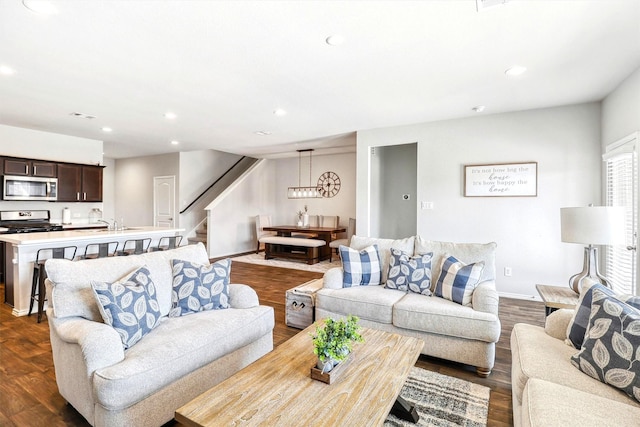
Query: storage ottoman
{"x":300,"y":303}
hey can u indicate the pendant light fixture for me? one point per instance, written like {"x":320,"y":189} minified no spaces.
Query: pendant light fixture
{"x":300,"y":192}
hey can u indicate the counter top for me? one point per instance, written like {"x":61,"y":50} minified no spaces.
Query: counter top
{"x":86,"y":235}
{"x":84,"y":225}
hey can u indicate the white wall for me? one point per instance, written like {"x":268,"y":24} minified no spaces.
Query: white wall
{"x":231,"y":220}
{"x":33,"y":144}
{"x":621,"y":110}
{"x":199,"y":169}
{"x":133,"y":187}
{"x":286,"y":175}
{"x":565,"y":141}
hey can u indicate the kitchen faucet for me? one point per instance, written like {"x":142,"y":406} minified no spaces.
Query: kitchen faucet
{"x":109,"y":226}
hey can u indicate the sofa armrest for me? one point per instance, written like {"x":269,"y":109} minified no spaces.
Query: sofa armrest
{"x":485,"y":297}
{"x":242,"y":296}
{"x":333,"y":278}
{"x":99,"y":343}
{"x":556,"y":323}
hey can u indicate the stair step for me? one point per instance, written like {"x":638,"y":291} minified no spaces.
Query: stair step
{"x":201,"y":231}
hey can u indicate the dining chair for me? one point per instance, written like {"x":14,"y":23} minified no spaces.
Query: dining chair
{"x":335,"y":244}
{"x":262,"y":221}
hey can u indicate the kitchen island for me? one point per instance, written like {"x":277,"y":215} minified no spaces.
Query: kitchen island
{"x":21,"y":250}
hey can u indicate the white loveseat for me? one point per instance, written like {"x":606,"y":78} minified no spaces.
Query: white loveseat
{"x":547,"y":390}
{"x":178,"y":360}
{"x":450,"y":331}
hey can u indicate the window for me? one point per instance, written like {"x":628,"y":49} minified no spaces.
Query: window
{"x":621,"y":190}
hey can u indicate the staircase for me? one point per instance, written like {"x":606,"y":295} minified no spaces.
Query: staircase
{"x":201,"y":235}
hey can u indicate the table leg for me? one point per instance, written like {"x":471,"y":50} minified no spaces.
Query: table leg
{"x":405,"y":410}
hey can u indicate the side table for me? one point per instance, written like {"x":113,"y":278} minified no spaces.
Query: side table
{"x":555,"y":297}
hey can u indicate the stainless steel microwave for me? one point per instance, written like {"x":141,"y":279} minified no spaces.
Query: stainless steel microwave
{"x":29,"y":188}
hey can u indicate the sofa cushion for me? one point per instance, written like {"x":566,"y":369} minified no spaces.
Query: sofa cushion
{"x":465,"y":252}
{"x":129,"y":305}
{"x":199,"y":287}
{"x":168,"y":353}
{"x":373,"y":303}
{"x":457,"y":280}
{"x":361,"y":268}
{"x":439,"y":316}
{"x":610,"y":347}
{"x":537,"y":355}
{"x":71,"y":280}
{"x":384,"y":246}
{"x":547,"y":404}
{"x":409,"y":273}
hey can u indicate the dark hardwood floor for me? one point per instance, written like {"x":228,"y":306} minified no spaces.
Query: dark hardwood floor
{"x":28,"y":391}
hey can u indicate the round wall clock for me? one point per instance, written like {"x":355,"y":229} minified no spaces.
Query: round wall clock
{"x":329,"y":184}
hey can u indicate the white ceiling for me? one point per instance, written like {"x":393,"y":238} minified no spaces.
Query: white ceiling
{"x":224,"y":66}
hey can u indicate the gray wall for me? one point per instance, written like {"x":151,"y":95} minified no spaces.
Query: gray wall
{"x":565,"y":141}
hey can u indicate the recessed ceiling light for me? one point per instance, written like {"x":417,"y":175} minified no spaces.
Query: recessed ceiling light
{"x":516,"y":70}
{"x":107,"y":129}
{"x":279,"y":112}
{"x":262,"y":132}
{"x":169,"y":115}
{"x":478,"y":108}
{"x":7,"y":71}
{"x":43,"y":7}
{"x":335,"y":40}
{"x":174,"y":142}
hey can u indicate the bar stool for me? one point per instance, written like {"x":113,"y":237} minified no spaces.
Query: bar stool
{"x":166,"y":243}
{"x":102,"y":250}
{"x":38,"y":292}
{"x":135,"y":247}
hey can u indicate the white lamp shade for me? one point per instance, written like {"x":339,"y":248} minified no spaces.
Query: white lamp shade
{"x":593,"y":225}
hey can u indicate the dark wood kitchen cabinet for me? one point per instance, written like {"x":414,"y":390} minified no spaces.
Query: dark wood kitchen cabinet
{"x":25,"y":167}
{"x":79,"y":183}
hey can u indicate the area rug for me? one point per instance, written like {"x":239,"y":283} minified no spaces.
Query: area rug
{"x":443,"y":401}
{"x":319,"y":267}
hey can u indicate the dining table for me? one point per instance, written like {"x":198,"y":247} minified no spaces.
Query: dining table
{"x":322,"y":233}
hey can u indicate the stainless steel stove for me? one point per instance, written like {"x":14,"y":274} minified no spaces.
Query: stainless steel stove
{"x":27,"y":222}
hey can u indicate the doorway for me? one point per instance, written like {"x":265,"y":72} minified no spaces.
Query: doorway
{"x":164,"y":197}
{"x":393,"y":188}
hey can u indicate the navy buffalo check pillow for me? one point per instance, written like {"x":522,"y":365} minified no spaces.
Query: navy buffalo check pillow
{"x":458,"y":280}
{"x":361,"y":268}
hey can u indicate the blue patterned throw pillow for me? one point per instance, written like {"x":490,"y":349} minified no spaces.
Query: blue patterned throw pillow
{"x":409,"y":274}
{"x":610,"y":348}
{"x":129,"y":305}
{"x":198,"y":287}
{"x":361,"y":268}
{"x":578,"y":325}
{"x":457,"y":280}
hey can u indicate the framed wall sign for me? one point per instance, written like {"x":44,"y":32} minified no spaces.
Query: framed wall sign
{"x":501,"y":180}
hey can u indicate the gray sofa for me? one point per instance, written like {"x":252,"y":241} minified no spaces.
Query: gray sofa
{"x":548,"y":391}
{"x":178,"y":360}
{"x":450,"y":331}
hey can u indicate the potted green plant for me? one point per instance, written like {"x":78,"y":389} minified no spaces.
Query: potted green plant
{"x":333,"y":342}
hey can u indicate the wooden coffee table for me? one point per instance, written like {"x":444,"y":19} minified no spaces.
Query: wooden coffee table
{"x":278,"y":389}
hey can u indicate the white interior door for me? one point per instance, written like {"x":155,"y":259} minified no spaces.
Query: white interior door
{"x":164,"y":197}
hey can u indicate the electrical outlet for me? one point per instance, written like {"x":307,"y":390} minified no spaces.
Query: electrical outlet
{"x":507,"y":271}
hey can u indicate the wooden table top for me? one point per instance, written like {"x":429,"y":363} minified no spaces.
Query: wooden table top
{"x":557,"y":296}
{"x":296,"y":229}
{"x":278,"y":388}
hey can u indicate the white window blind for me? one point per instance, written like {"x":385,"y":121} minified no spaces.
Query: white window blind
{"x":621,"y":185}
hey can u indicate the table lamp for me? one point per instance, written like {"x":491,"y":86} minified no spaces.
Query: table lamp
{"x":592,"y":225}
